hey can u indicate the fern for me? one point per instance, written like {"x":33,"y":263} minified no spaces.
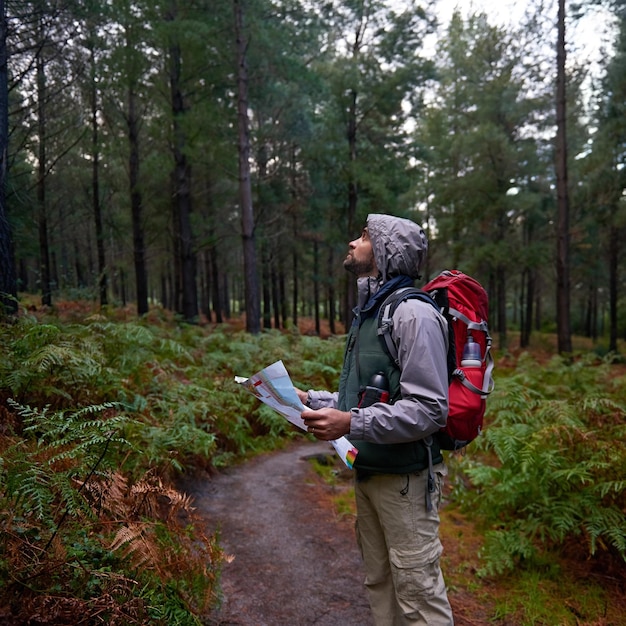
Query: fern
{"x":606,"y":526}
{"x":504,"y":550}
{"x":555,"y":433}
{"x":66,"y":446}
{"x":101,"y":396}
{"x":48,"y":360}
{"x":26,"y":488}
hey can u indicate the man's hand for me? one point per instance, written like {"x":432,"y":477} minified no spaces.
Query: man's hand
{"x":303,"y":395}
{"x":327,"y":424}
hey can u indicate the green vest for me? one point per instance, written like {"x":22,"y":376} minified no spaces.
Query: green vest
{"x":375,"y":458}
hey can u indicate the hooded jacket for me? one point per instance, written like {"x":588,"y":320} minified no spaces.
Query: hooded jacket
{"x":387,"y":434}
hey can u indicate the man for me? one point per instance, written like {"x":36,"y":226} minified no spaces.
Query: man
{"x":399,"y":467}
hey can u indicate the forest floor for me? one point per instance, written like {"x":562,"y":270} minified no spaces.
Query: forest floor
{"x":294,"y":555}
{"x":295,"y":559}
{"x":296,"y":563}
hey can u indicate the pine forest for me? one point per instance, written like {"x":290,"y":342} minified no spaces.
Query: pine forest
{"x":179,"y":181}
{"x":214,"y":158}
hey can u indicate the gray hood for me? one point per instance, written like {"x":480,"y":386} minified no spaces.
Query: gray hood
{"x":399,"y":245}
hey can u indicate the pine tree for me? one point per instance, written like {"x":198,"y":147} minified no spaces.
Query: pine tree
{"x":8,"y":282}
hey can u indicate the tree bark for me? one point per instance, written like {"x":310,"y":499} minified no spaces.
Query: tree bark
{"x":44,"y":248}
{"x":350,"y":301}
{"x":316,"y":286}
{"x":251,"y":281}
{"x":95,"y":185}
{"x":265,"y":279}
{"x":501,"y":306}
{"x":217,"y":297}
{"x":136,"y":205}
{"x":563,"y":235}
{"x":182,"y":191}
{"x":614,"y":246}
{"x":8,"y":280}
{"x":528,"y":312}
{"x":275,"y":294}
{"x":332,"y":312}
{"x":295,"y":276}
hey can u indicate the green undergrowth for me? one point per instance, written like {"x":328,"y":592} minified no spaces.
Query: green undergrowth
{"x":553,"y":597}
{"x":544,"y":486}
{"x":536,"y":507}
{"x":99,"y":417}
{"x":550,"y":467}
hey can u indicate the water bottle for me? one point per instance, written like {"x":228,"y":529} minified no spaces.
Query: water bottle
{"x":377,"y":390}
{"x":471,"y":354}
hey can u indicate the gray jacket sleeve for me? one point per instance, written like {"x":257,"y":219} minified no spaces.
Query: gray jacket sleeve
{"x":421,"y":334}
{"x":322,"y":399}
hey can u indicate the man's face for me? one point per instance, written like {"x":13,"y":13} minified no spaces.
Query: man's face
{"x":360,"y":258}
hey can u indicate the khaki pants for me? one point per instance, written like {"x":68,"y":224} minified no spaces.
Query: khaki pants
{"x":399,"y":542}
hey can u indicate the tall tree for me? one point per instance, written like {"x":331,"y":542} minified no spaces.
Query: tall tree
{"x":375,"y":83}
{"x":133,"y":121}
{"x":42,"y":157}
{"x":283,"y":91}
{"x":130,"y":65}
{"x":607,"y":176}
{"x":181,"y":174}
{"x":91,"y":43}
{"x":564,"y":334}
{"x":252,"y":302}
{"x":8,"y":281}
{"x":475,"y":142}
{"x":44,"y":69}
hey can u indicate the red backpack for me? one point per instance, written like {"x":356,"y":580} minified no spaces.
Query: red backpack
{"x":464,"y":303}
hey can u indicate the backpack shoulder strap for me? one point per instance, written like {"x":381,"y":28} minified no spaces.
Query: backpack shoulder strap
{"x":387,"y":309}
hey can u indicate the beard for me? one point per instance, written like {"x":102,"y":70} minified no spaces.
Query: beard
{"x":359,"y":267}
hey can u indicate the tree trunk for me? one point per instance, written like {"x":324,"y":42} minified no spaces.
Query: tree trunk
{"x":528,"y":288}
{"x":8,"y":281}
{"x":614,"y":247}
{"x":267,"y":298}
{"x":177,"y":287}
{"x":501,"y":307}
{"x":95,"y":186}
{"x":225,"y":298}
{"x":164,"y":295}
{"x":591,"y":310}
{"x":22,"y":277}
{"x":350,"y":301}
{"x":204,"y":282}
{"x":217,"y":295}
{"x":181,"y":182}
{"x":214,"y":295}
{"x":123,"y":296}
{"x":136,"y":203}
{"x":78,"y":267}
{"x":522,"y":308}
{"x":332,"y":312}
{"x":316,"y":286}
{"x":252,"y":305}
{"x":275,"y":295}
{"x":295,"y":275}
{"x":562,"y":252}
{"x":492,"y":288}
{"x":44,"y":248}
{"x":538,"y":301}
{"x":182,"y":192}
{"x":528,"y":315}
{"x":282,"y":295}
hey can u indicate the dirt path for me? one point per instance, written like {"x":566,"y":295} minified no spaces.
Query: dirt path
{"x":296,"y":563}
{"x":295,"y":560}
